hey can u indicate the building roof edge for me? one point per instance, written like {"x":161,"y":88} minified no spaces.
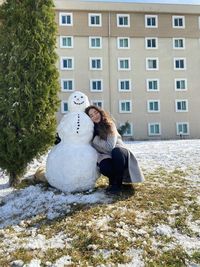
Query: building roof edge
{"x":126,"y":7}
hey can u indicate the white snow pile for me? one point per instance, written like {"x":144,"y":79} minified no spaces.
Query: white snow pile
{"x":34,"y":200}
{"x":183,"y":154}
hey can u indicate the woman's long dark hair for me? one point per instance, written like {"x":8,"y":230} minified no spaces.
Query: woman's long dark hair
{"x":105,"y":126}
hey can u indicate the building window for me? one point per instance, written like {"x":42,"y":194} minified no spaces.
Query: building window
{"x":67,"y":63}
{"x":94,"y":20}
{"x":153,"y":105}
{"x":95,"y":42}
{"x":64,"y":106}
{"x":97,"y":103}
{"x":96,"y":85}
{"x":67,"y":85}
{"x":178,"y":22}
{"x":65,"y":19}
{"x":152,"y":64}
{"x":181,"y":105}
{"x":151,"y":21}
{"x":129,"y":129}
{"x":180,"y":84}
{"x":66,"y":42}
{"x":95,"y":63}
{"x":123,"y":43}
{"x":152,"y":85}
{"x":179,"y":43}
{"x":182,"y":128}
{"x":124,"y":64}
{"x":123,"y":20}
{"x":151,"y":43}
{"x":125,"y":106}
{"x":199,"y":22}
{"x":179,"y":63}
{"x":124,"y":85}
{"x":154,"y":129}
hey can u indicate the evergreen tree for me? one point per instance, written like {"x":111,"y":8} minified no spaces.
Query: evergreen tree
{"x":123,"y":128}
{"x":28,"y":82}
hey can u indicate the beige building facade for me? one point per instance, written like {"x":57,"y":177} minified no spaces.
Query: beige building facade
{"x":140,"y":62}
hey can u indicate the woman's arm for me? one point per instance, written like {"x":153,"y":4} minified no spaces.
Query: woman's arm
{"x":104,"y":146}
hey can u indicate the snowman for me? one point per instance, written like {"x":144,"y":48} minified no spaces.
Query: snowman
{"x":71,"y":165}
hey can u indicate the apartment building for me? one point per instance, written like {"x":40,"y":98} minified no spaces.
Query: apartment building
{"x":140,"y":62}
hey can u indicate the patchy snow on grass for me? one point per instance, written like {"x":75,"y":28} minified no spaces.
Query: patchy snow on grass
{"x":21,"y":207}
{"x":183,"y":154}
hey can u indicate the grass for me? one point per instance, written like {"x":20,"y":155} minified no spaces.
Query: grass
{"x":103,"y":233}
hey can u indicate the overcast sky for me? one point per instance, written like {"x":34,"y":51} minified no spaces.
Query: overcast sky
{"x":195,"y":2}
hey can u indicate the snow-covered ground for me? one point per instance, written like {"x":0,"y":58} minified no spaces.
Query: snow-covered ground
{"x":19,"y":206}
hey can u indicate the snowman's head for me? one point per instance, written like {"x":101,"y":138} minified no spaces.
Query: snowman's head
{"x":78,"y":102}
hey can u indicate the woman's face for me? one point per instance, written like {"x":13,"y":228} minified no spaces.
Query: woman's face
{"x":94,"y":115}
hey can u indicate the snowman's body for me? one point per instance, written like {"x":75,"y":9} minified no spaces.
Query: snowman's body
{"x":71,"y":165}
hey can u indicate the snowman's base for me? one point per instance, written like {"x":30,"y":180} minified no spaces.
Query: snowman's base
{"x":72,"y":167}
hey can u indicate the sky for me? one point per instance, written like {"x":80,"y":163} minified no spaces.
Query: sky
{"x":192,"y":2}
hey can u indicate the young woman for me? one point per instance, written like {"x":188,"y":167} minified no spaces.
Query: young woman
{"x":114,"y":160}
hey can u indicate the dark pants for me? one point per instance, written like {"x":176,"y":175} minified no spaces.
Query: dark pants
{"x":114,"y":167}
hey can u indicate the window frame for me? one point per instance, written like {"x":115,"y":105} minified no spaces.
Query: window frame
{"x":63,"y":102}
{"x":61,"y":63}
{"x":154,"y":124}
{"x":90,"y":42}
{"x":119,"y":59}
{"x":178,"y":38}
{"x":151,"y":38}
{"x":123,"y":15}
{"x":90,"y":15}
{"x":147,"y":16}
{"x":184,"y":61}
{"x":175,"y":84}
{"x":151,"y":80}
{"x":65,"y":14}
{"x":178,"y":17}
{"x":62,"y":85}
{"x":123,"y":38}
{"x":96,"y":58}
{"x":181,"y":100}
{"x":148,"y":107}
{"x":157,"y":63}
{"x":91,"y":85}
{"x":124,"y":101}
{"x":124,"y":80}
{"x":182,"y":133}
{"x":72,"y":41}
{"x":131,"y":129}
{"x":100,"y":101}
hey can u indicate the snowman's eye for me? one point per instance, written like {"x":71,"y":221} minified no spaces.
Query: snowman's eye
{"x":81,"y":96}
{"x":75,"y":96}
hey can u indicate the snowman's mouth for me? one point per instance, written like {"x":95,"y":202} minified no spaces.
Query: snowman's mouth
{"x":78,"y":103}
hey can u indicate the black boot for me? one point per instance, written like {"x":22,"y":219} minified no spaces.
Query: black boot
{"x":114,"y":189}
